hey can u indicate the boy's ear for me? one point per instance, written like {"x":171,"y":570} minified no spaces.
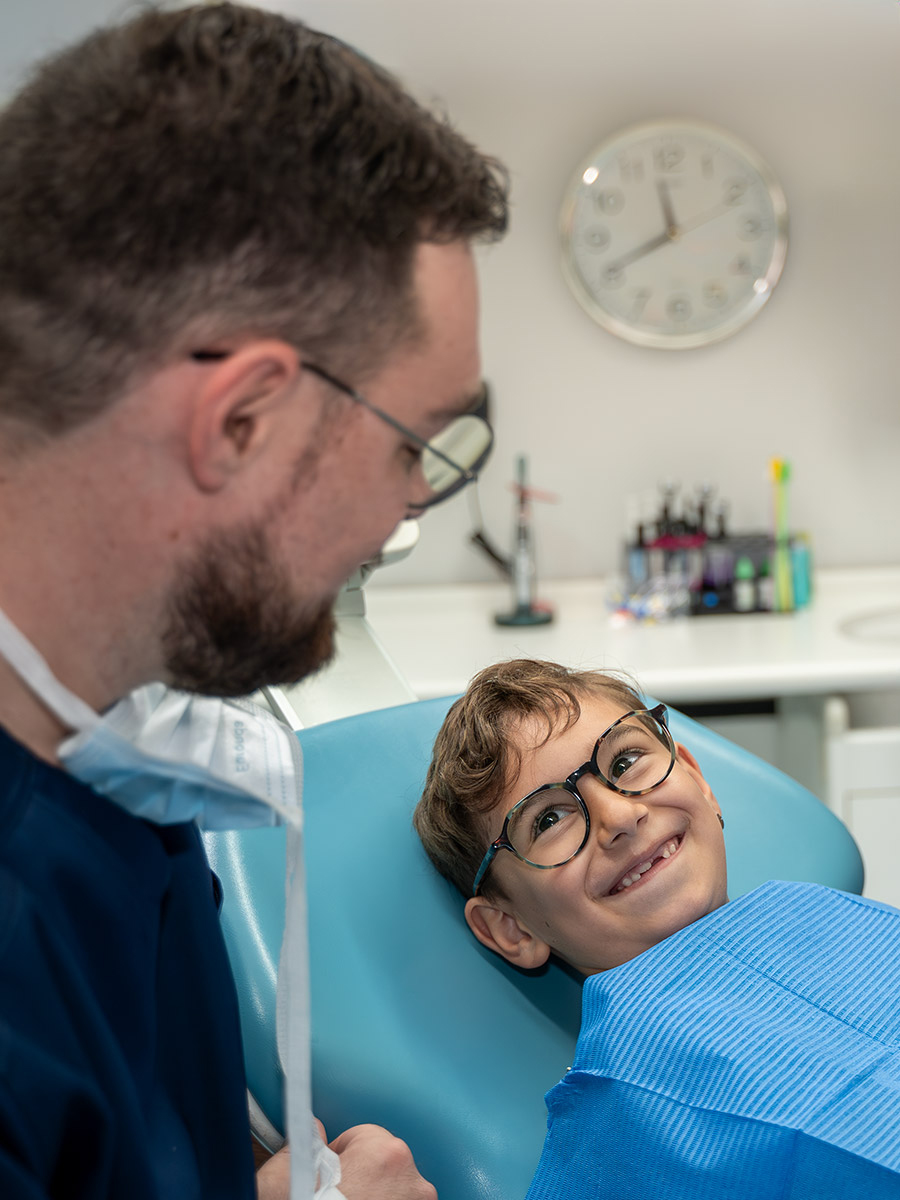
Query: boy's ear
{"x":501,"y":931}
{"x":234,"y":413}
{"x":691,"y":765}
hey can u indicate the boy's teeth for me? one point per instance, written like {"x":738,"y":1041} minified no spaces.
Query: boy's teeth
{"x":667,"y":851}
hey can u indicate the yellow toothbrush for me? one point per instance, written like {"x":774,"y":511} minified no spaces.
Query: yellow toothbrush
{"x":783,"y":583}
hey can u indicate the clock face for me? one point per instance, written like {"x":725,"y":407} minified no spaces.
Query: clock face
{"x":673,"y":234}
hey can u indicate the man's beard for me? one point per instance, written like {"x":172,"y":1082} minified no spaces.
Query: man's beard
{"x":234,"y":625}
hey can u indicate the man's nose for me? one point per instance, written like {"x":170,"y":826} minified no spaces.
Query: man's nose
{"x":612,"y":815}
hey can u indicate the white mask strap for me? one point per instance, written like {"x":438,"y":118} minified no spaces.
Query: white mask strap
{"x":31,"y":666}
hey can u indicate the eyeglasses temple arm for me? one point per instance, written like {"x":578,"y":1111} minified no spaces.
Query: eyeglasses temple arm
{"x":482,"y":870}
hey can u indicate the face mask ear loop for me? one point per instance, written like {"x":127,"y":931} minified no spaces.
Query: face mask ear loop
{"x":32,"y":668}
{"x":315,"y":1168}
{"x":293,"y":1021}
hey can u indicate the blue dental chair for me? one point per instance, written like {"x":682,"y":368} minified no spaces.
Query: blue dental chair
{"x":415,"y":1026}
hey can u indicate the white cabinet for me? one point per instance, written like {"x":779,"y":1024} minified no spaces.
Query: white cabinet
{"x":863,"y":789}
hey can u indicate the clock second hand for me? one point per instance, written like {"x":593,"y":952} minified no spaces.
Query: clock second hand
{"x":716,"y":211}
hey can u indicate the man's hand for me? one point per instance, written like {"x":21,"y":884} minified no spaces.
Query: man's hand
{"x":375,"y":1165}
{"x":273,"y":1179}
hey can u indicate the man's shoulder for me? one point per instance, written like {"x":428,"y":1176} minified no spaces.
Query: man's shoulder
{"x":28,"y":784}
{"x":81,"y":882}
{"x":60,"y":839}
{"x":18,"y":767}
{"x":103,"y":935}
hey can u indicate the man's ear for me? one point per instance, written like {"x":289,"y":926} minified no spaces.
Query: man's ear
{"x":501,"y":931}
{"x":235,"y":410}
{"x":691,"y":765}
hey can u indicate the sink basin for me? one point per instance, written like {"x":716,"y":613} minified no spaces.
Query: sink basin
{"x":880,"y":626}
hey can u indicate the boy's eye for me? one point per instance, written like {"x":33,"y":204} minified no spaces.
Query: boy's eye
{"x":633,"y":757}
{"x":623,"y":763}
{"x":552,"y":819}
{"x":544,"y":817}
{"x":547,"y":820}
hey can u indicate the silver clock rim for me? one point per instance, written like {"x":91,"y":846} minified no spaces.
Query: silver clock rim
{"x":737,"y":319}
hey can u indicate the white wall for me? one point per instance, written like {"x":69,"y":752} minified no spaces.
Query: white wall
{"x":812,"y":85}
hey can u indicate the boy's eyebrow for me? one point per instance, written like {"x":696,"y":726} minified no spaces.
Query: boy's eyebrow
{"x":619,"y":734}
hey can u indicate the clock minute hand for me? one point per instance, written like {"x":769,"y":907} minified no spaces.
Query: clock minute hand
{"x":639,"y":251}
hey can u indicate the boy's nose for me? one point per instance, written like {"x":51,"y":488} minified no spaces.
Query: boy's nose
{"x":612,"y":815}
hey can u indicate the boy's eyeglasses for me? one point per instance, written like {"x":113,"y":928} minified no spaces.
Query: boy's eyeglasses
{"x":550,"y":825}
{"x":449,"y":461}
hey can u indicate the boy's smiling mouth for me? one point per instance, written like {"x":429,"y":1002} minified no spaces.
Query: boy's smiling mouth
{"x":649,"y":864}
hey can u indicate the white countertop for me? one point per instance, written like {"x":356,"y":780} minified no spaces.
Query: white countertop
{"x":439,"y":636}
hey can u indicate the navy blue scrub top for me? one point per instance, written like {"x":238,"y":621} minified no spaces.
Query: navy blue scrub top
{"x":120,"y":1059}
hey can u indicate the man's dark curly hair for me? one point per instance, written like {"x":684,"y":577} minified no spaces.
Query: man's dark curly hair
{"x":211,"y":172}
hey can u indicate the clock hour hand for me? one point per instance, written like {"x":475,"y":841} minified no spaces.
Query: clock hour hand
{"x":639,"y":251}
{"x":665,"y":199}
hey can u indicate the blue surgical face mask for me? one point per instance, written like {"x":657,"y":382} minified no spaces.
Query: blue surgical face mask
{"x":168,"y":756}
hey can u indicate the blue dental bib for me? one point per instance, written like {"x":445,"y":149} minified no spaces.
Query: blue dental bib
{"x":753,"y":1054}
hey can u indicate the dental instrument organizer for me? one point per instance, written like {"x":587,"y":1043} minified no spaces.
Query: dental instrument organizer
{"x":692,"y":564}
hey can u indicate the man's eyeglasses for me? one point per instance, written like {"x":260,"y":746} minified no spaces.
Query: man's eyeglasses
{"x":550,"y":825}
{"x":450,"y":460}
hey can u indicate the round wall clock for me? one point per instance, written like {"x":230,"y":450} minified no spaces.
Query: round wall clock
{"x":674,"y":234}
